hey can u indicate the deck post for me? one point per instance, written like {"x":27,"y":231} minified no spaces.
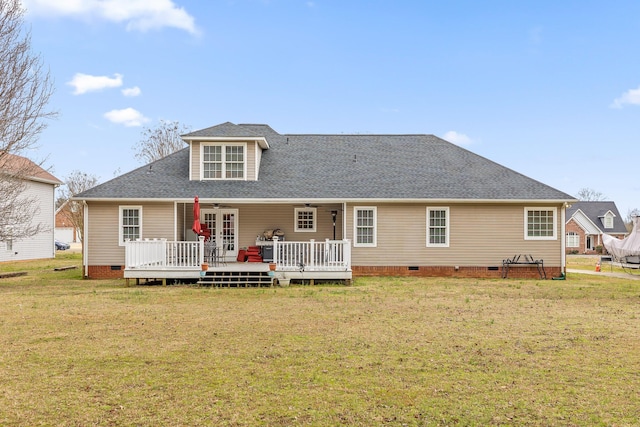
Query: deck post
{"x":275,"y":250}
{"x":328,"y":253}
{"x":312,"y":253}
{"x":346,"y":245}
{"x":164,"y":253}
{"x":201,"y":250}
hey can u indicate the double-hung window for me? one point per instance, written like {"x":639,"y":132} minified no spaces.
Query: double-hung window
{"x":438,"y":227}
{"x":305,"y":219}
{"x":540,"y":223}
{"x":364,"y":224}
{"x":130,"y":227}
{"x":223,"y":161}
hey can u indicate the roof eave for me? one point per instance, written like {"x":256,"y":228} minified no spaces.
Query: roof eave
{"x":262,"y":142}
{"x":328,"y":200}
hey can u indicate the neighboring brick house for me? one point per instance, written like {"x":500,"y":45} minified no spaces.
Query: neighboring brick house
{"x":587,"y":221}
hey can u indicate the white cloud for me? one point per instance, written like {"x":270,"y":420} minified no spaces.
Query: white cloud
{"x":127,"y":116}
{"x":457,"y":138}
{"x":632,"y":97}
{"x":140,"y":15}
{"x":131,"y":91}
{"x":84,"y":83}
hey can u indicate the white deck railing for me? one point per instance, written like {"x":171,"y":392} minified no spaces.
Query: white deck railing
{"x":327,"y":255}
{"x":160,"y":254}
{"x":154,"y":254}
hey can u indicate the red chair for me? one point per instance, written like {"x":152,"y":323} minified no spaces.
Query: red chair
{"x":253,"y":254}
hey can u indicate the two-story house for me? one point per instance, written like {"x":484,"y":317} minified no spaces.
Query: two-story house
{"x":31,"y":189}
{"x":588,"y":221}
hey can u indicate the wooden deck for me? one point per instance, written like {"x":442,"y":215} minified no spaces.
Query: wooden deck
{"x":193,"y":272}
{"x":159,"y":259}
{"x":236,"y":268}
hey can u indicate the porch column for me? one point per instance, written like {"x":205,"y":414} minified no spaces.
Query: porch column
{"x":201,"y":249}
{"x":347,"y":253}
{"x":275,"y":250}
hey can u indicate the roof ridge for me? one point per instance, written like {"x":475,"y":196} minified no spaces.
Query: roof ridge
{"x":359,"y":134}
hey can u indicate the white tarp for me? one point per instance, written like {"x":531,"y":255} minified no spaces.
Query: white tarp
{"x":629,"y":246}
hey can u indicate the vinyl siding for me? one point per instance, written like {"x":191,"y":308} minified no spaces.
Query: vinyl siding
{"x":101,"y":243}
{"x":40,"y":245}
{"x":254,"y":219}
{"x":480,"y":235}
{"x":103,"y":246}
{"x":180,"y":219}
{"x":195,"y":161}
{"x":250,"y":158}
{"x":158,"y":222}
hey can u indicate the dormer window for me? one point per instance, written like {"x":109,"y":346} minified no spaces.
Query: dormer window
{"x":608,"y":220}
{"x":223,"y":161}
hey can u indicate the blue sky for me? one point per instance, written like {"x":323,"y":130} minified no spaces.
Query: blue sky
{"x":550,"y":89}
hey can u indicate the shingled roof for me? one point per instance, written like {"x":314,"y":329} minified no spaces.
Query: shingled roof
{"x":336,"y":167}
{"x":595,"y":211}
{"x":24,"y":168}
{"x":229,"y":129}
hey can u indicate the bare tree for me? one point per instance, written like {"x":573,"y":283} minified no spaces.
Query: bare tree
{"x":60,"y":200}
{"x":628,"y":221}
{"x":76,"y":183}
{"x":590,"y":195}
{"x":18,"y":206}
{"x":160,"y":141}
{"x":25,"y":90}
{"x":25,"y":86}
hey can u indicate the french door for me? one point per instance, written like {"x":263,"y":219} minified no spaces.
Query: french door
{"x":223,"y":224}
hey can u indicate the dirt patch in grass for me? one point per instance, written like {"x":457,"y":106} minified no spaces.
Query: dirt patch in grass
{"x":386,"y":351}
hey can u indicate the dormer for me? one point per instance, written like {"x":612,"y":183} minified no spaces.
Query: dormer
{"x":607,"y":220}
{"x":225,"y":152}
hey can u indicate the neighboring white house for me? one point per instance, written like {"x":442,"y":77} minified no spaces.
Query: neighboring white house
{"x":40,"y":185}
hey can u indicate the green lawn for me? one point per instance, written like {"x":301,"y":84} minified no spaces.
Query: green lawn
{"x":588,"y":262}
{"x":385,"y":351}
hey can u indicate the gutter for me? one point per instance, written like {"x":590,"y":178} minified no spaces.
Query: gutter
{"x":321,"y":200}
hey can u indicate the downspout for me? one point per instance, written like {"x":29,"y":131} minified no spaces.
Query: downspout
{"x":85,"y":234}
{"x":563,"y":239}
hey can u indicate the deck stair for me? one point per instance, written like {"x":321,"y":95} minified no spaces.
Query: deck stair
{"x":236,"y":279}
